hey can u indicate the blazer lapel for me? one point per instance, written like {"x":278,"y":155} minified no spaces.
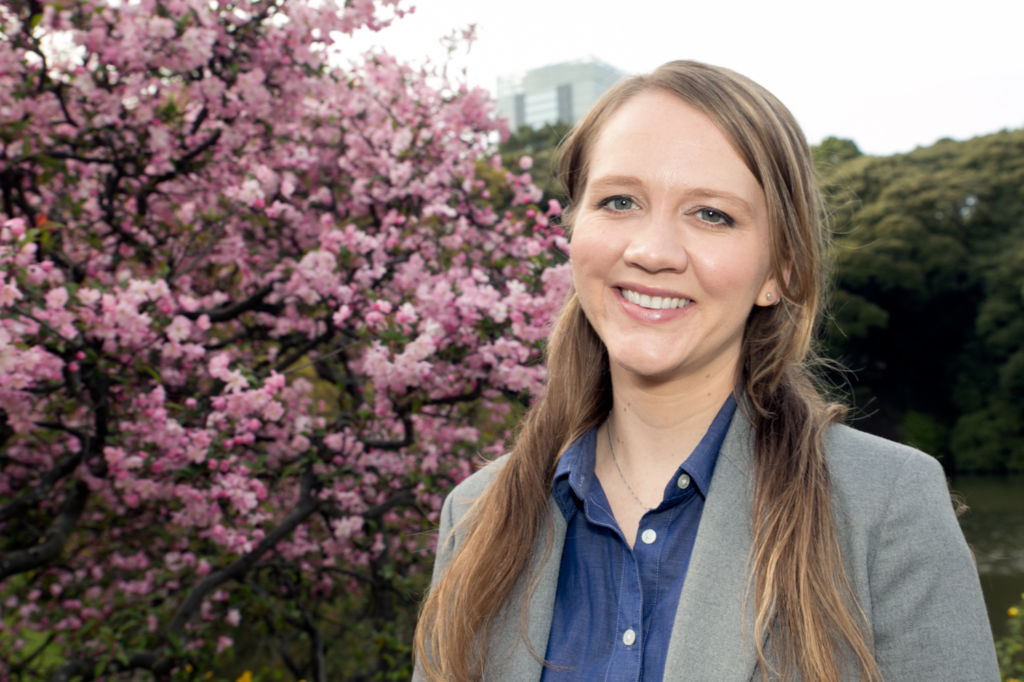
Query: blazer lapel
{"x":708,"y":639}
{"x":510,"y":658}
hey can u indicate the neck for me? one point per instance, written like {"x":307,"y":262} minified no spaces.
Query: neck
{"x":656,"y":425}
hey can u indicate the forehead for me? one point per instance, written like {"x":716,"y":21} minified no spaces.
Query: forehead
{"x":658,"y":135}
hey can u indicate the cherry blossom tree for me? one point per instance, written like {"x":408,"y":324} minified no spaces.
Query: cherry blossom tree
{"x":258,"y":312}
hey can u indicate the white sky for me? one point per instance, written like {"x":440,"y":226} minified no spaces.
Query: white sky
{"x":889,"y":74}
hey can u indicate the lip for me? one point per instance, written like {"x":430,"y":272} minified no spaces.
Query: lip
{"x":648,"y":315}
{"x":651,"y":291}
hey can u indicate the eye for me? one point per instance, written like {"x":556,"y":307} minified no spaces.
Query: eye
{"x":617,"y":203}
{"x":714,"y":217}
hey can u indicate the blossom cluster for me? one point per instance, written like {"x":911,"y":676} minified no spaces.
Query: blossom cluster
{"x":252,"y":305}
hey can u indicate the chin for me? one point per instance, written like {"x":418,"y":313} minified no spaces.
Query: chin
{"x":652,"y":369}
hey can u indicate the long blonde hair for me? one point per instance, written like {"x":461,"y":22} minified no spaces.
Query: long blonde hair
{"x":800,"y":590}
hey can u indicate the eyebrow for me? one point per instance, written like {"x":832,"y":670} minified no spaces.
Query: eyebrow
{"x":702,"y":192}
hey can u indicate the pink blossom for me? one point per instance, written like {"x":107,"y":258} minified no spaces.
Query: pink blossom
{"x":57,"y":298}
{"x":16,"y":226}
{"x":300,"y":262}
{"x":9,"y":292}
{"x":179,"y":328}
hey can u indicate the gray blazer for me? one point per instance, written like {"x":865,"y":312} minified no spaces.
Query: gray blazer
{"x":905,"y":556}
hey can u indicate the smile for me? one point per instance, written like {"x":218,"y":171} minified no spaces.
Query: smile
{"x":654,"y":302}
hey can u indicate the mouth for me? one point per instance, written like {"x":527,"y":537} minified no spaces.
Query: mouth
{"x":654,"y":302}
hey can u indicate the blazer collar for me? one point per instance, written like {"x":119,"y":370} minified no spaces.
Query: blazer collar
{"x":711,"y":638}
{"x":509,"y":655}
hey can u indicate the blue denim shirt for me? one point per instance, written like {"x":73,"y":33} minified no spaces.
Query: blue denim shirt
{"x":615,"y":606}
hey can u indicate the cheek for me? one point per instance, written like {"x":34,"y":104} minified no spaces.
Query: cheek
{"x":590,"y":255}
{"x":730,"y":271}
{"x":583,"y":278}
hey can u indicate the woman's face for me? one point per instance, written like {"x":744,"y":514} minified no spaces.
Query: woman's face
{"x":670,"y":245}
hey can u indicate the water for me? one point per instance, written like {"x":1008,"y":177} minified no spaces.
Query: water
{"x":994,"y":527}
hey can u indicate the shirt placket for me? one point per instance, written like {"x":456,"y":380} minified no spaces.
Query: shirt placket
{"x":627,"y":662}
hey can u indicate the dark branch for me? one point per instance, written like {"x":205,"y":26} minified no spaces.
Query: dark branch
{"x":33,"y":496}
{"x":457,"y":398}
{"x":182,"y":163}
{"x":404,"y":498}
{"x":406,"y":440}
{"x":69,"y":156}
{"x":293,"y":357}
{"x":23,"y":560}
{"x":83,"y":670}
{"x":230,"y":312}
{"x":305,"y":508}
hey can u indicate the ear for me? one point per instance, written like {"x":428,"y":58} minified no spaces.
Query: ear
{"x":769,"y":294}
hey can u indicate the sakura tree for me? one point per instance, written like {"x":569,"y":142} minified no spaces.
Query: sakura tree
{"x":258,"y":312}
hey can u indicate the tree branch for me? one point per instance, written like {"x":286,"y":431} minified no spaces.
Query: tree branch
{"x":23,"y":560}
{"x":457,"y":398}
{"x":179,"y":164}
{"x":33,"y":496}
{"x":233,"y":310}
{"x":297,"y":353}
{"x":404,"y":442}
{"x":83,"y":670}
{"x":403,"y":498}
{"x":306,"y":506}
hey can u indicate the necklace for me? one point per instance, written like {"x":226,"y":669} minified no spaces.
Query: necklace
{"x":615,"y":460}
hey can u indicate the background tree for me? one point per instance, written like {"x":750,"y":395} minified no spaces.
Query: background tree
{"x":254,"y":309}
{"x":541,"y":146}
{"x":930,"y":298}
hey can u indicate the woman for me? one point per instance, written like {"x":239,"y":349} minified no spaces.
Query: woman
{"x":682,"y":503}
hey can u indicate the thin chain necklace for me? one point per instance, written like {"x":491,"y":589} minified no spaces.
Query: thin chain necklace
{"x":615,"y":460}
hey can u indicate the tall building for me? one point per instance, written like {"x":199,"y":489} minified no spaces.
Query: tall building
{"x":557,"y":92}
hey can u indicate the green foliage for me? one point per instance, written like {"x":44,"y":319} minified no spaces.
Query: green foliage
{"x":834,"y":150}
{"x":363,"y":634}
{"x":855,"y":315}
{"x":925,"y":432}
{"x":929,"y":308}
{"x":42,"y":657}
{"x":990,"y":438}
{"x":541,"y":144}
{"x":1010,"y":649}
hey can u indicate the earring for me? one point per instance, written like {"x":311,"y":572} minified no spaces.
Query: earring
{"x":769,"y":296}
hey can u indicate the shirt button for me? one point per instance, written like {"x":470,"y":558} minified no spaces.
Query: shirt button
{"x":628,"y":637}
{"x":648,"y":536}
{"x":683,"y":481}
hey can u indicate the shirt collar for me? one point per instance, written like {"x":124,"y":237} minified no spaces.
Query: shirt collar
{"x":574,"y":473}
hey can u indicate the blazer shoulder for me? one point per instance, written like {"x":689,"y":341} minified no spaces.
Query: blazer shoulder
{"x":477,"y":482}
{"x":465,"y":493}
{"x":863,"y":458}
{"x":907,"y":561}
{"x":873,"y":478}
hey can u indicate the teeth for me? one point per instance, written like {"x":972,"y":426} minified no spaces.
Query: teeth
{"x":654,"y":302}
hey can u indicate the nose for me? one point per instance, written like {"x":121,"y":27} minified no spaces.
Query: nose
{"x":657,"y":244}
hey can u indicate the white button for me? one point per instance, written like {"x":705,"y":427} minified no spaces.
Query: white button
{"x":648,"y":536}
{"x":628,"y":637}
{"x":684,"y":481}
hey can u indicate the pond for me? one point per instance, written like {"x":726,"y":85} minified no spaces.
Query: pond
{"x":994,"y":527}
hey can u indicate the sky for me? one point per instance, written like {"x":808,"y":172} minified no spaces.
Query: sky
{"x":891,"y":75}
